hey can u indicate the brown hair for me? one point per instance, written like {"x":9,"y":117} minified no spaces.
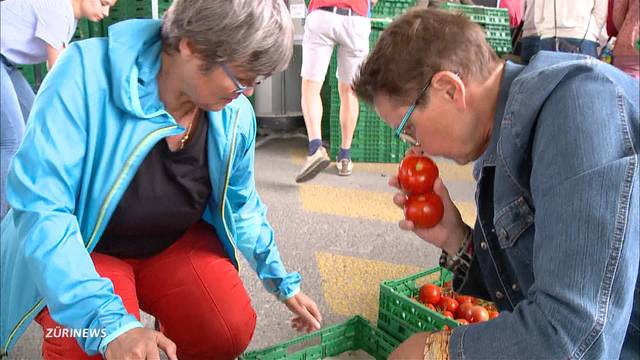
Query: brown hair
{"x":419,"y":44}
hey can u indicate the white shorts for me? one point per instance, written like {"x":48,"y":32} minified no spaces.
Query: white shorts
{"x":322,"y":31}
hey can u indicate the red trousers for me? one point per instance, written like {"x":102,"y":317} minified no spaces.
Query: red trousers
{"x":192,"y":288}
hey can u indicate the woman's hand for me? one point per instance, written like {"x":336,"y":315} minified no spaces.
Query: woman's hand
{"x":449,"y":233}
{"x":140,"y":344}
{"x":308,"y":316}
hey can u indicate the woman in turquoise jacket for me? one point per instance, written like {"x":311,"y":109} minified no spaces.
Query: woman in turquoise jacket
{"x":136,"y":174}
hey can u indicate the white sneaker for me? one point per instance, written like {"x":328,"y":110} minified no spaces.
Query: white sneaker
{"x":345,"y":167}
{"x":314,"y":164}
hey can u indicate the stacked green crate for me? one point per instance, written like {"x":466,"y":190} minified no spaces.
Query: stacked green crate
{"x":495,"y":22}
{"x":373,"y":140}
{"x":390,"y":8}
{"x":131,"y":9}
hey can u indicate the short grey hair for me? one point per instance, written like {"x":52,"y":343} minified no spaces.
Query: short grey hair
{"x":256,"y":35}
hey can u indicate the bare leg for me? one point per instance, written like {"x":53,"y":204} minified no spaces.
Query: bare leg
{"x":312,"y":108}
{"x":348,"y":113}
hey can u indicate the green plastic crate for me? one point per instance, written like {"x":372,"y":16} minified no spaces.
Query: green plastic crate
{"x":351,"y":335}
{"x":481,"y":14}
{"x":391,"y":8}
{"x":400,"y":315}
{"x":495,"y":22}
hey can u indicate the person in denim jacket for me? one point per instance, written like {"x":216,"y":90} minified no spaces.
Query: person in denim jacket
{"x":555,"y":151}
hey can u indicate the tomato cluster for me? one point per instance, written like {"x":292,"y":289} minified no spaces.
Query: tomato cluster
{"x":462,"y":308}
{"x":416,"y":176}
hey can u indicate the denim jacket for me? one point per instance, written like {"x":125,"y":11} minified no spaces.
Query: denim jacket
{"x":556,"y":240}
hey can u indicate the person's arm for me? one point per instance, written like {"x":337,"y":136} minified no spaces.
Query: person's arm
{"x":52,"y":55}
{"x":620,"y":8}
{"x":254,"y":235}
{"x":44,"y":181}
{"x":586,"y":242}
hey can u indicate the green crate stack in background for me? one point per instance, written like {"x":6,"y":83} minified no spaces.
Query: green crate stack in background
{"x":351,"y":335}
{"x":373,"y":140}
{"x":495,"y":22}
{"x":390,"y":8}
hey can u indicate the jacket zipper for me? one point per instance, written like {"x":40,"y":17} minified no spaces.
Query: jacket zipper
{"x":224,"y":191}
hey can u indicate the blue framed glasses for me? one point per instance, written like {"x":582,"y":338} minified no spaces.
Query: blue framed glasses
{"x":400,"y":131}
{"x":239,"y":87}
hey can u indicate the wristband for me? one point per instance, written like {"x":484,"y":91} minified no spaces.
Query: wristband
{"x":460,"y":262}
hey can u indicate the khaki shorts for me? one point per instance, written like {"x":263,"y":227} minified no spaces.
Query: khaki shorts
{"x":322,"y":31}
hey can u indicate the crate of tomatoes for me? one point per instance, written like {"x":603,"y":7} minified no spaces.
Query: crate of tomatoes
{"x":426,"y":302}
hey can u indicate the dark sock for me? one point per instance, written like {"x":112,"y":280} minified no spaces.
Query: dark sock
{"x":314,"y":145}
{"x":344,"y":154}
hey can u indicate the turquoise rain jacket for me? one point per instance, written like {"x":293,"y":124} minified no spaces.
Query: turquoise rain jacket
{"x":96,"y":117}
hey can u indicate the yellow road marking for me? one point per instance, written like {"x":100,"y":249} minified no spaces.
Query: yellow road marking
{"x":354,"y":203}
{"x":351,"y":285}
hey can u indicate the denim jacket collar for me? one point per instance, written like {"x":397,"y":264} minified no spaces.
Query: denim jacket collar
{"x":488,"y":158}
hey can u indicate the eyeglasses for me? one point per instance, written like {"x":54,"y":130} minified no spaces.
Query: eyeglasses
{"x":239,"y":87}
{"x":400,"y":131}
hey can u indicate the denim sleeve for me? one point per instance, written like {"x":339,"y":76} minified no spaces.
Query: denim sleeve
{"x":43,"y":183}
{"x":584,"y":184}
{"x":254,"y":235}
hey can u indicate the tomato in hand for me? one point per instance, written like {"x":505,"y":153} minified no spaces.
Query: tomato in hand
{"x":430,"y":294}
{"x":417,"y":174}
{"x":424,"y":210}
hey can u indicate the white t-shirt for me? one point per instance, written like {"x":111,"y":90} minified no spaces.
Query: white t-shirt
{"x":27,"y":26}
{"x":571,"y":19}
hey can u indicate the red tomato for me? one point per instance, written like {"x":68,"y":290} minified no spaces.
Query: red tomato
{"x":429,"y":294}
{"x":417,"y":174}
{"x":430,"y":306}
{"x":447,"y":314}
{"x":448,"y":304}
{"x":462,"y":321}
{"x":424,"y":210}
{"x":464,"y":299}
{"x":464,"y":311}
{"x":479,"y":314}
{"x":493,"y":314}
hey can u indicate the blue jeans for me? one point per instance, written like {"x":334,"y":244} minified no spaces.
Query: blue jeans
{"x":530,"y":46}
{"x":570,"y":45}
{"x":15,"y":104}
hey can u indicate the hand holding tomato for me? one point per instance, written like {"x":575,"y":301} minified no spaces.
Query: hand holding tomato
{"x":417,"y":174}
{"x":446,"y":234}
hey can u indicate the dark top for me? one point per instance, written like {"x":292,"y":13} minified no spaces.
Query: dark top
{"x":167,"y":195}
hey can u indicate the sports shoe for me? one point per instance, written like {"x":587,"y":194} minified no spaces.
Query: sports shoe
{"x":345,"y":167}
{"x":314,"y":164}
